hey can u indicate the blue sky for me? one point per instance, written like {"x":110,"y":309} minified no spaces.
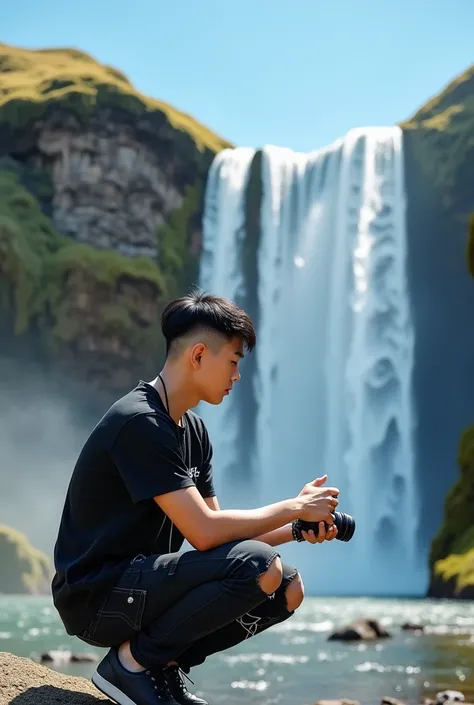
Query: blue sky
{"x":297,"y":73}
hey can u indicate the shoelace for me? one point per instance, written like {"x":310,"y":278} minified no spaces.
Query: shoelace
{"x":160,"y":685}
{"x":177,"y":675}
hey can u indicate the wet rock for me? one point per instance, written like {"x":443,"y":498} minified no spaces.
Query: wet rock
{"x":84,"y":658}
{"x":446,"y":697}
{"x":449,"y":696}
{"x":360,"y":630}
{"x":61,"y":657}
{"x":412,"y":627}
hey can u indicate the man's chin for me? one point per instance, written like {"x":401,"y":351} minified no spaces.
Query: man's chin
{"x":218,"y":400}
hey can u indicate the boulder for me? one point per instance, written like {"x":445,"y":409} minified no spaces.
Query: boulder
{"x":413,"y":627}
{"x":360,"y":630}
{"x":449,"y":696}
{"x":57,"y":656}
{"x":24,"y":682}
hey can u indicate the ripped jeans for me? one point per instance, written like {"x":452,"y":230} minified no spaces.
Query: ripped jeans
{"x":185,"y":606}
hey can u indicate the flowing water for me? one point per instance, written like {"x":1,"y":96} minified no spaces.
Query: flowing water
{"x":334,"y":356}
{"x":294,"y":663}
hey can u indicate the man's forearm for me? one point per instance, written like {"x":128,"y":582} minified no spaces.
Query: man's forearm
{"x":277,"y":537}
{"x":238,"y":524}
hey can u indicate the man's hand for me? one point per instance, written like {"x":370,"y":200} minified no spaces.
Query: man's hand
{"x":323,"y":535}
{"x":318,"y":482}
{"x":319,"y":503}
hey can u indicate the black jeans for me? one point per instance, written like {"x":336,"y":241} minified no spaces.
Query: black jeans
{"x":185,"y":606}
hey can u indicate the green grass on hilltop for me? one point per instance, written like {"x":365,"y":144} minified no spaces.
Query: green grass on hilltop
{"x":443,"y":136}
{"x":441,"y":110}
{"x":31,"y":80}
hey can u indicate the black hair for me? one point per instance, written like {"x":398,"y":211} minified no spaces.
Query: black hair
{"x":208,"y":312}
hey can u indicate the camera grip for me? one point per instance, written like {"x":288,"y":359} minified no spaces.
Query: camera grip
{"x":311,"y":525}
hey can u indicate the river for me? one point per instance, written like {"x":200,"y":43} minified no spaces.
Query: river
{"x":294,"y":663}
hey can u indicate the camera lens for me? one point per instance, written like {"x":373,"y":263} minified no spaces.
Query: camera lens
{"x":345,"y":526}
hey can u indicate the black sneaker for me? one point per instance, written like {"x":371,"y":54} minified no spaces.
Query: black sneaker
{"x":174,"y":677}
{"x":127,"y":688}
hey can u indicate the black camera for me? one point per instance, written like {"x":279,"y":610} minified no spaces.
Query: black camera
{"x":344,"y":522}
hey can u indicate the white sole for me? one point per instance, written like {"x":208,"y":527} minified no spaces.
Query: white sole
{"x":110,"y":690}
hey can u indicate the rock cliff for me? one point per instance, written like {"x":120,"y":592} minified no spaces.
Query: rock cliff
{"x":452,"y":550}
{"x":112,"y":188}
{"x":101,"y":194}
{"x":439,"y":169}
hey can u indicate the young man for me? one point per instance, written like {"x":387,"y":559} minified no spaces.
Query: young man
{"x":142,"y":482}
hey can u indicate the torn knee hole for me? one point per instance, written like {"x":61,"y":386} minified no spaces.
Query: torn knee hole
{"x":270,"y":581}
{"x":294,"y":593}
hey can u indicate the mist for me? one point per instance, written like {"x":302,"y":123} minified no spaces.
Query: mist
{"x":43,"y":426}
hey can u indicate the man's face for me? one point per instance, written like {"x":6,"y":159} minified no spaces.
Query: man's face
{"x":219,"y":370}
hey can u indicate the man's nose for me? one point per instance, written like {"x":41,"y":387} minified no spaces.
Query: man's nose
{"x":236,"y":376}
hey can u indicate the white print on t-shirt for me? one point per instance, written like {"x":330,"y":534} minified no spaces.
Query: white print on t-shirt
{"x":193,"y":473}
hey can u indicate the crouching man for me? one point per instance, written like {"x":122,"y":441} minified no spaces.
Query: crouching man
{"x":143,"y":483}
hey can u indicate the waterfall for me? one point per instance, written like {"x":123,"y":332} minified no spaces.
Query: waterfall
{"x":335,"y":349}
{"x":221,"y":273}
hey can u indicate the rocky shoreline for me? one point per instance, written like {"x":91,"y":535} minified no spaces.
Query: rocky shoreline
{"x":39,"y":681}
{"x":25,"y":682}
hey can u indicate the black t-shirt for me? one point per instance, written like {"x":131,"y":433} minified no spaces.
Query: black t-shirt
{"x":135,"y":453}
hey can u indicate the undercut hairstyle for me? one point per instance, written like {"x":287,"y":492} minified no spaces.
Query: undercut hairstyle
{"x":199,"y":311}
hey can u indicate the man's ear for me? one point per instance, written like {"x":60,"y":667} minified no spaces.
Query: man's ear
{"x":197,"y":351}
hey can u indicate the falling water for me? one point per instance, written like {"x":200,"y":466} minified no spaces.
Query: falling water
{"x":221,"y":273}
{"x":335,"y":348}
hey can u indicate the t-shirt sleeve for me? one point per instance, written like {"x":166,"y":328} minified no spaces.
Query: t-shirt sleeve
{"x":205,"y":484}
{"x":148,"y":457}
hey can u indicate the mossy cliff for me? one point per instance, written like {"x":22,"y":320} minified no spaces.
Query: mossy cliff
{"x":88,"y":308}
{"x":29,"y":570}
{"x":452,"y":550}
{"x":101,"y":192}
{"x":439,"y":174}
{"x":442,"y":133}
{"x":440,"y":141}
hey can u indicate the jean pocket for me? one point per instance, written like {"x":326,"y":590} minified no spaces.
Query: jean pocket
{"x":118,"y":618}
{"x":125,"y":604}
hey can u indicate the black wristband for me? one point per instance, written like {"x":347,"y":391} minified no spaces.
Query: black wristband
{"x":296,"y":531}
